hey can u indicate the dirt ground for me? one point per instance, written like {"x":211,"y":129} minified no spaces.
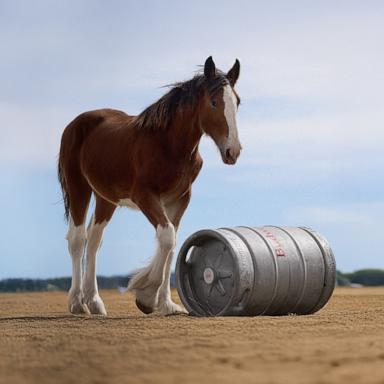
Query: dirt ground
{"x":40,"y":343}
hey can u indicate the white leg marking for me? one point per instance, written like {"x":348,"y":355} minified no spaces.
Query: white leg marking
{"x":166,"y":306}
{"x":147,"y":281}
{"x":230,"y":109}
{"x":76,"y":243}
{"x":167,"y":240}
{"x":91,"y":293}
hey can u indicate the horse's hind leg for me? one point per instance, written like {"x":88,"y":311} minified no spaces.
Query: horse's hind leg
{"x":79,"y":194}
{"x":103,"y":213}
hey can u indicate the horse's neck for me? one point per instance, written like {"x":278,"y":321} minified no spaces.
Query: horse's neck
{"x":184,"y":135}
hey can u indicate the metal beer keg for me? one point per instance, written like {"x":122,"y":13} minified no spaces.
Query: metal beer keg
{"x":255,"y":271}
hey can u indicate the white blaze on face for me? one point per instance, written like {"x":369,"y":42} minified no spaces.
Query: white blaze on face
{"x":230,"y":109}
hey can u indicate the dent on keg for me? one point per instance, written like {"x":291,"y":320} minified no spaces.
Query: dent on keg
{"x":255,"y":271}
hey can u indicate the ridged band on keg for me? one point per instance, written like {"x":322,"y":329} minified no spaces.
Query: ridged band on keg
{"x":260,"y":300}
{"x":242,"y":281}
{"x":287,"y":231}
{"x":330,"y":269}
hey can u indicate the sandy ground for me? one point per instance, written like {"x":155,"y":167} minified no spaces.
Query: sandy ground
{"x":39,"y":343}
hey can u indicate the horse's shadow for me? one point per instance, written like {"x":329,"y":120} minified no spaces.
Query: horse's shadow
{"x":70,"y":317}
{"x":85,"y":318}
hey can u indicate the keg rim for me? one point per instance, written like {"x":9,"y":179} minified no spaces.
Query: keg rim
{"x":195,"y":239}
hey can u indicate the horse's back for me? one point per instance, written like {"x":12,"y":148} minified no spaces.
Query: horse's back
{"x":90,"y":120}
{"x":88,"y":123}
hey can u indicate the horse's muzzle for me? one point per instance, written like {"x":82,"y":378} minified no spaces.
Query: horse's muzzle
{"x":230,"y":154}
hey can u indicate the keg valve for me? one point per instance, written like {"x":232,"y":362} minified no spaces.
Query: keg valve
{"x":209,"y":275}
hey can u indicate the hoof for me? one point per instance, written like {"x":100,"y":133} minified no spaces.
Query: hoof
{"x":143,"y":308}
{"x":76,"y":304}
{"x":146,"y":299}
{"x":79,"y":309}
{"x":96,"y":306}
{"x":170,"y":308}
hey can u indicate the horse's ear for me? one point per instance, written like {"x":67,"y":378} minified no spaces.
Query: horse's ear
{"x":233,"y":73}
{"x":209,"y":68}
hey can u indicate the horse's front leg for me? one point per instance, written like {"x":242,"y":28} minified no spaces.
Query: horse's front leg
{"x":103,"y":214}
{"x":175,"y":211}
{"x":147,"y":281}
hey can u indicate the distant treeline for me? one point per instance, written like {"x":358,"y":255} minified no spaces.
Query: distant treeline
{"x":57,"y":284}
{"x":61,"y":284}
{"x":367,"y":277}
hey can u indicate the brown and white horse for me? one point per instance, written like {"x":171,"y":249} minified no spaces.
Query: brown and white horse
{"x":146,"y":162}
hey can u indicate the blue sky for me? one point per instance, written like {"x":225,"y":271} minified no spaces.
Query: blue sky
{"x":311,"y":119}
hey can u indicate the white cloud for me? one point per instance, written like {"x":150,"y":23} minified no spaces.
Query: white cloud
{"x":328,"y":137}
{"x":354,"y":231}
{"x":364,"y":215}
{"x":31,"y":135}
{"x":332,"y":55}
{"x":320,"y":149}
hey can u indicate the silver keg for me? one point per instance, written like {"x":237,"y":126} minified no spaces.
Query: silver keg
{"x":255,"y":271}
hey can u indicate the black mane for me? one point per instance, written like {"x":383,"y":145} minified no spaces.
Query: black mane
{"x":160,"y":114}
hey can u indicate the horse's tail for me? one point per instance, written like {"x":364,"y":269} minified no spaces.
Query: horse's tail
{"x":64,"y":190}
{"x":71,"y":142}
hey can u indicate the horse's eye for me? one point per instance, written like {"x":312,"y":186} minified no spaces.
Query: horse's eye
{"x":214,"y":103}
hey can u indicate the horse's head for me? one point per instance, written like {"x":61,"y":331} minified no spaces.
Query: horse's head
{"x":218,"y":109}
